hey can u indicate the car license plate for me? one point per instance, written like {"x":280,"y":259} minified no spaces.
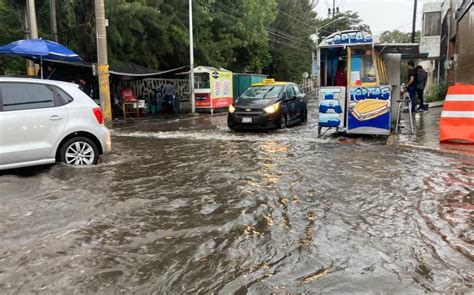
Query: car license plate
{"x":246,"y":120}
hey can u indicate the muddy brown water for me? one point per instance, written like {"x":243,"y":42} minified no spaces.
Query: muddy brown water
{"x":188,"y":207}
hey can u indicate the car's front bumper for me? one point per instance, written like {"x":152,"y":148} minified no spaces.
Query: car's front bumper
{"x":260,"y":120}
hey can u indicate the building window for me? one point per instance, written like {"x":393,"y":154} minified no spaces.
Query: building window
{"x":432,"y":24}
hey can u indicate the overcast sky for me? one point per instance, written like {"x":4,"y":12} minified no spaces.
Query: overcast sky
{"x":381,"y":15}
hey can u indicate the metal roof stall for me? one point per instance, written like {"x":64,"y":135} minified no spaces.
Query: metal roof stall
{"x":213,"y":88}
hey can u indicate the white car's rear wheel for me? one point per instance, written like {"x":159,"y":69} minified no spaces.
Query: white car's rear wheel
{"x":79,"y":151}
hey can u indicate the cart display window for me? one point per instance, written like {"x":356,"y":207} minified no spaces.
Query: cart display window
{"x":202,"y":81}
{"x":362,"y":67}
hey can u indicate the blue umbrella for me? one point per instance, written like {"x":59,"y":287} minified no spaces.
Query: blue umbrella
{"x":40,"y":49}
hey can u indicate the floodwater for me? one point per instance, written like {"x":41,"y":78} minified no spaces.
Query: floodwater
{"x":188,"y":206}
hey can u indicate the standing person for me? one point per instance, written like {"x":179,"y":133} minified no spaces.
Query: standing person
{"x":411,"y":85}
{"x":341,"y":76}
{"x":421,"y":77}
{"x":85,"y":87}
{"x":159,"y":101}
{"x":169,"y":93}
{"x":50,"y":73}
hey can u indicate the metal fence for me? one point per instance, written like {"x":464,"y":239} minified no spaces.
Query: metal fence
{"x":146,"y":87}
{"x":308,"y":87}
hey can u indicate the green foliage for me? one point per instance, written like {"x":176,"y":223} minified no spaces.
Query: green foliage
{"x":240,"y":35}
{"x":397,"y":36}
{"x":290,"y":42}
{"x":439,"y":91}
{"x":10,"y":28}
{"x":232,"y":34}
{"x":154,"y":33}
{"x":348,"y":20}
{"x":76,"y":26}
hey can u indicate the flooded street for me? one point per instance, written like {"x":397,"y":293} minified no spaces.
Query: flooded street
{"x":188,"y":206}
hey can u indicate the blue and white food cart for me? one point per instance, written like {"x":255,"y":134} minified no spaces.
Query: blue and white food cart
{"x":355,"y":95}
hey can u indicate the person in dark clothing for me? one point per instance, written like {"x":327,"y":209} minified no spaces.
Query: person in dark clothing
{"x":85,"y":87}
{"x":50,"y":73}
{"x":169,"y":95}
{"x":421,"y":77}
{"x":411,"y":85}
{"x":341,"y":77}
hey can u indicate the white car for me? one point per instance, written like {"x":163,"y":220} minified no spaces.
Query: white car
{"x":46,"y":121}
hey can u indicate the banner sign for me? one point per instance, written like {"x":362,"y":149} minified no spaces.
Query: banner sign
{"x":369,"y":110}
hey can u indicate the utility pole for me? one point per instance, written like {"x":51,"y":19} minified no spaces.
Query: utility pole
{"x":333,"y":12}
{"x":333,"y":8}
{"x":33,"y":28}
{"x":102,"y":64}
{"x":54,"y":22}
{"x":191,"y":57}
{"x":414,"y":23}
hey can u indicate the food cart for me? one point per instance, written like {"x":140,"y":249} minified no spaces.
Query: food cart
{"x":355,"y":93}
{"x":213,"y":88}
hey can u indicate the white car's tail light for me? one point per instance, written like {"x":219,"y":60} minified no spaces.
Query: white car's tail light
{"x":98,"y":115}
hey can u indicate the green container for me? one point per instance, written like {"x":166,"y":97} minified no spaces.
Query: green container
{"x":151,"y":108}
{"x":241,"y":82}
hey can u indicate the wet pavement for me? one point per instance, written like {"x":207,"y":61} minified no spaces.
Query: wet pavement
{"x":188,"y":206}
{"x":427,"y":134}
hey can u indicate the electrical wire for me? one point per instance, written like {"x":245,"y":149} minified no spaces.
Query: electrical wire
{"x":288,"y":36}
{"x":275,"y":35}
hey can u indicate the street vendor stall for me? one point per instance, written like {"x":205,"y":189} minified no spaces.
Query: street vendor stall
{"x":213,"y":88}
{"x":357,"y":90}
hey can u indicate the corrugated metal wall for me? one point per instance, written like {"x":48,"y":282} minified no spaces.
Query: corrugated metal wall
{"x":465,"y":48}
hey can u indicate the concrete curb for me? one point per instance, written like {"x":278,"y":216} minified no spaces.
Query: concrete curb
{"x":436,"y":104}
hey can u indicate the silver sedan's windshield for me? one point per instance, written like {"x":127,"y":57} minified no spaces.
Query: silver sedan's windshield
{"x":262,"y":92}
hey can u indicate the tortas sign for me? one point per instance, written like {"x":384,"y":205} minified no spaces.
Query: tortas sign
{"x":349,"y":37}
{"x":369,"y":110}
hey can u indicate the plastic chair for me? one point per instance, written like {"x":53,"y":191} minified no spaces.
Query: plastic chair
{"x":127,"y":94}
{"x":129,"y":101}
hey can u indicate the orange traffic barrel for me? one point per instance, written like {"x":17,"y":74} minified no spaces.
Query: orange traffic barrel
{"x":457,"y":117}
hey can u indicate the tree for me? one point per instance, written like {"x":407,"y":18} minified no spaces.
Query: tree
{"x":348,"y":20}
{"x":397,"y":36}
{"x":11,"y":28}
{"x":76,"y":27}
{"x":240,"y":35}
{"x":290,"y":42}
{"x":154,"y":33}
{"x":233,"y":34}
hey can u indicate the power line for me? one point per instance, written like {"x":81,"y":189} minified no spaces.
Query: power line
{"x":293,"y":18}
{"x":291,"y":46}
{"x":272,"y":31}
{"x":289,"y":36}
{"x":401,"y":27}
{"x":343,"y":2}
